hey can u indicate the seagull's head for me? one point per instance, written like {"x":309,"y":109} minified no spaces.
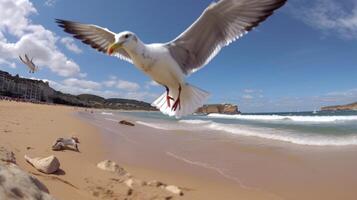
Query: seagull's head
{"x":124,"y":40}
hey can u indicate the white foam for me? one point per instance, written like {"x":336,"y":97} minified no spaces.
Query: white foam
{"x":195,"y":121}
{"x":313,"y":119}
{"x":109,"y":119}
{"x":296,"y":138}
{"x":266,"y":133}
{"x":156,"y":125}
{"x":107,"y":113}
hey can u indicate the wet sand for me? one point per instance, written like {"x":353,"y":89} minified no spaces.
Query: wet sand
{"x":214,"y":164}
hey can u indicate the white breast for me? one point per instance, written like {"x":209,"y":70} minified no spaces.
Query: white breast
{"x":156,"y":61}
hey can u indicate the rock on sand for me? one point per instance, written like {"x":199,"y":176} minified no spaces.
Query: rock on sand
{"x":46,"y":165}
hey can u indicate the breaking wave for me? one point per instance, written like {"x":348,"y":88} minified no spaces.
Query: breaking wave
{"x":106,"y":113}
{"x":306,"y":119}
{"x":300,"y":138}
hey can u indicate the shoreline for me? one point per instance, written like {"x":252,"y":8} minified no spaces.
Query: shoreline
{"x":273,"y":169}
{"x":202,"y":186}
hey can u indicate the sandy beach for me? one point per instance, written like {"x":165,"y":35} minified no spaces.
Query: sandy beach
{"x":204,"y":166}
{"x":236,"y":166}
{"x":30,"y":129}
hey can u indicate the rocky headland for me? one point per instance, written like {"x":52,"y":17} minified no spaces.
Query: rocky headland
{"x":352,"y":106}
{"x":218,"y":108}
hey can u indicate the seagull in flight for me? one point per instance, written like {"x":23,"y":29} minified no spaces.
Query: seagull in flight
{"x":168,"y":64}
{"x":29,"y":63}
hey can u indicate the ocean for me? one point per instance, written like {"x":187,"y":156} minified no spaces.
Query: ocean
{"x":323,"y":128}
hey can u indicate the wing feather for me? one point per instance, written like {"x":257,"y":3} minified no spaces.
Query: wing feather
{"x":220,"y":24}
{"x":97,"y":37}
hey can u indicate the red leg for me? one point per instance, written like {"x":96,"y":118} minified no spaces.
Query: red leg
{"x":168,"y":98}
{"x":177,"y":102}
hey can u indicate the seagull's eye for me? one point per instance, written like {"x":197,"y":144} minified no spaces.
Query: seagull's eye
{"x":126,"y":36}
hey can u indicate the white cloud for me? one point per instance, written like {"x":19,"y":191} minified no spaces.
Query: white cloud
{"x":50,"y":3}
{"x":75,"y":87}
{"x":111,"y":82}
{"x":127,"y":85}
{"x":32,"y":39}
{"x":150,"y":84}
{"x":80,"y":83}
{"x":70,"y":45}
{"x":140,"y":95}
{"x":153,"y":83}
{"x":248,"y":91}
{"x":82,"y":75}
{"x":121,"y":84}
{"x":330,"y":16}
{"x":247,"y":96}
{"x":7,"y":63}
{"x":350,"y":92}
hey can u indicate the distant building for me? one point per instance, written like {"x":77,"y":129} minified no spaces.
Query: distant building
{"x":38,"y":90}
{"x":28,"y":89}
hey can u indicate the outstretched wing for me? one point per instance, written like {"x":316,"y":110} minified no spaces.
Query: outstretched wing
{"x":97,"y":37}
{"x":220,"y":24}
{"x":29,"y":63}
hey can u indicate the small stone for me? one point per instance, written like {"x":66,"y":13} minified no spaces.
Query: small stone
{"x":46,"y":165}
{"x":174,"y":189}
{"x":129,"y":182}
{"x":124,"y":122}
{"x":130,"y":192}
{"x":7,"y":156}
{"x":139,"y":182}
{"x":155,"y":183}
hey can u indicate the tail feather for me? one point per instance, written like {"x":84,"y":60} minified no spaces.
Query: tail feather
{"x":191,"y":99}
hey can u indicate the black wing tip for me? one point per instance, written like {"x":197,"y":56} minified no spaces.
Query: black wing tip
{"x":278,"y":4}
{"x":281,"y":3}
{"x":63,"y":23}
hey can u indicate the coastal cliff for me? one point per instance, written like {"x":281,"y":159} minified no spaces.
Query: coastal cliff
{"x":39,"y":91}
{"x":218,"y":108}
{"x":352,"y":106}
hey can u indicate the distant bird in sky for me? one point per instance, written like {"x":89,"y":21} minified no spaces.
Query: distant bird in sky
{"x":29,"y":63}
{"x":169,"y":63}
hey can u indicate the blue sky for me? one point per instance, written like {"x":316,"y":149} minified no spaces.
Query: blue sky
{"x":301,"y":58}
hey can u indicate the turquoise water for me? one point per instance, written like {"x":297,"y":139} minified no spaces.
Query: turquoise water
{"x":304,"y":128}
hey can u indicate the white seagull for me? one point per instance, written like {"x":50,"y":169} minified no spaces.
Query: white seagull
{"x":169,"y":63}
{"x":29,"y":63}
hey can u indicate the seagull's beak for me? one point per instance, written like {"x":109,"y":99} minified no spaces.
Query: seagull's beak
{"x":113,"y":47}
